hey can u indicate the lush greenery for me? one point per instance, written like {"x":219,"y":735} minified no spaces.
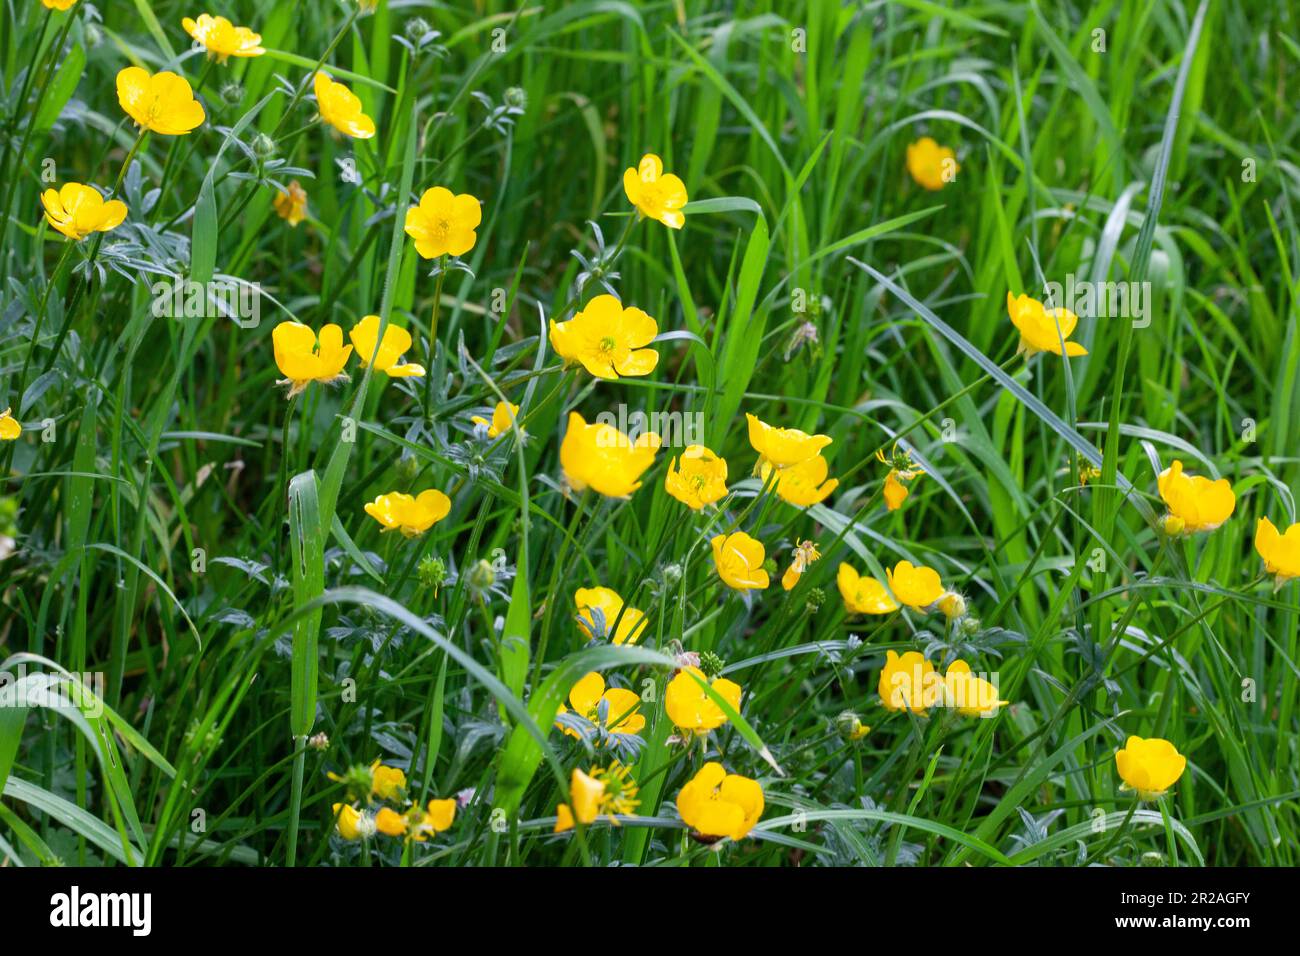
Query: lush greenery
{"x":195,"y":545}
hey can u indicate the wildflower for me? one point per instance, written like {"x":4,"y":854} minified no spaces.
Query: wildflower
{"x":783,"y":447}
{"x":1087,"y":471}
{"x":1038,"y":327}
{"x":971,"y":696}
{"x":953,"y":605}
{"x":850,"y":726}
{"x":77,"y":211}
{"x":58,"y":4}
{"x":863,"y":595}
{"x":303,"y":360}
{"x":804,"y":554}
{"x":931,"y":165}
{"x":319,"y":741}
{"x":386,"y":783}
{"x":291,"y":205}
{"x":353,"y":824}
{"x":697,"y":477}
{"x":411,"y":515}
{"x":503,"y":416}
{"x":1281,"y":552}
{"x":1195,"y":503}
{"x":396,"y":341}
{"x":223,"y":39}
{"x":600,"y":456}
{"x":901,"y":470}
{"x":608,"y":339}
{"x":619,"y":704}
{"x":10,"y":429}
{"x":610,"y":791}
{"x":656,"y":194}
{"x":908,"y":683}
{"x":691,"y":709}
{"x":598,"y":608}
{"x":914,"y":585}
{"x":716,"y":804}
{"x":416,"y":824}
{"x":444,"y":223}
{"x":1149,"y":766}
{"x":340,"y":108}
{"x":439,"y":816}
{"x":801,"y":485}
{"x":739,"y":560}
{"x":390,"y":823}
{"x":162,"y":102}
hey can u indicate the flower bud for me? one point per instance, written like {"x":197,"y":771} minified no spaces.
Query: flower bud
{"x":263,"y":146}
{"x":417,"y":28}
{"x":953,"y":605}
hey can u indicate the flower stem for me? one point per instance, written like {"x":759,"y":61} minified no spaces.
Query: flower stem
{"x":433,"y":339}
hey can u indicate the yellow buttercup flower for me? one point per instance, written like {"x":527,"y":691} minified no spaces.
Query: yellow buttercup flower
{"x":77,"y":211}
{"x":341,"y":108}
{"x":444,"y":223}
{"x":970,"y":695}
{"x":410,"y":515}
{"x":303,"y":360}
{"x":607,"y":339}
{"x":291,"y":206}
{"x":901,"y":470}
{"x":10,"y":429}
{"x":503,"y":417}
{"x":1038,"y":325}
{"x":1195,"y":503}
{"x":863,"y":595}
{"x":161,"y":102}
{"x":931,"y":165}
{"x":716,"y":804}
{"x":952,"y":605}
{"x":609,"y":791}
{"x":439,"y":816}
{"x":697,"y":477}
{"x":416,"y":824}
{"x":804,"y":484}
{"x":58,"y":4}
{"x":691,"y":709}
{"x":1281,"y":552}
{"x":1149,"y":766}
{"x":914,"y":585}
{"x":397,"y":340}
{"x":598,"y":608}
{"x":908,"y":682}
{"x":352,"y":823}
{"x":783,"y":447}
{"x":386,"y":783}
{"x":600,"y":456}
{"x":222,"y":39}
{"x":390,"y":823}
{"x":739,"y":560}
{"x":656,"y":194}
{"x":805,"y":553}
{"x":621,"y":706}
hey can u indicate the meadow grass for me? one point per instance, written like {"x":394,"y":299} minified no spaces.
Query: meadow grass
{"x":193,"y":545}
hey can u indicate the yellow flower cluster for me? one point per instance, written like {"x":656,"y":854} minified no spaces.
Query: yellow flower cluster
{"x":380,"y":805}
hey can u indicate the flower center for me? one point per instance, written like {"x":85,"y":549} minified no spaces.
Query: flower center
{"x":607,"y":344}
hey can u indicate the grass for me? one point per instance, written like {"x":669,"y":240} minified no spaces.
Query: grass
{"x":193,"y":546}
